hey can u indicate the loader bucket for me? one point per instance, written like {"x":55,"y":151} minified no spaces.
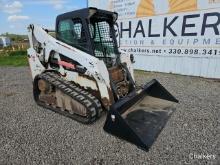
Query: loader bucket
{"x":140,"y":117}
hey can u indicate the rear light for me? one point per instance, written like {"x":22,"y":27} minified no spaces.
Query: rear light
{"x":132,"y":58}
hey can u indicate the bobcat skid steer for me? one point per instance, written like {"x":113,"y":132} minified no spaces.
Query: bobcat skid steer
{"x":82,"y":72}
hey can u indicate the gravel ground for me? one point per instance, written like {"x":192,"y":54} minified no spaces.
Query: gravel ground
{"x":30,"y":134}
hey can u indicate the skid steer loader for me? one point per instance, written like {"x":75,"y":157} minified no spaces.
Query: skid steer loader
{"x":82,"y":72}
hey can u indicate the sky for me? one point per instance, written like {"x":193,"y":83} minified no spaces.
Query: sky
{"x":16,"y":15}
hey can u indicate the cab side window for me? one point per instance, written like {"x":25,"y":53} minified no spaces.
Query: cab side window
{"x":72,"y":32}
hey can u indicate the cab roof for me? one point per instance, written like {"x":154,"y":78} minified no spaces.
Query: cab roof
{"x":88,"y":13}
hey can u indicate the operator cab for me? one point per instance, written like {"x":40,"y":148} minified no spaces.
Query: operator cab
{"x":90,"y":30}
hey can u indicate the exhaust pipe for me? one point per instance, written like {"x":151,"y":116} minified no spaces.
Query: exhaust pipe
{"x":140,"y":117}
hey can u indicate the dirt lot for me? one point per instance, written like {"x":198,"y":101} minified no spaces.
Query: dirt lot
{"x":32,"y":135}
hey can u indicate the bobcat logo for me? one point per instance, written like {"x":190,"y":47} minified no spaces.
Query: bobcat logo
{"x":156,"y":7}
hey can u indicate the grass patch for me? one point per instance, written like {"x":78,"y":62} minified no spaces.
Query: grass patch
{"x":13,"y":53}
{"x":18,"y":53}
{"x":14,"y":60}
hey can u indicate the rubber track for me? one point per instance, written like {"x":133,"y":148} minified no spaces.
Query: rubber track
{"x":91,"y":103}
